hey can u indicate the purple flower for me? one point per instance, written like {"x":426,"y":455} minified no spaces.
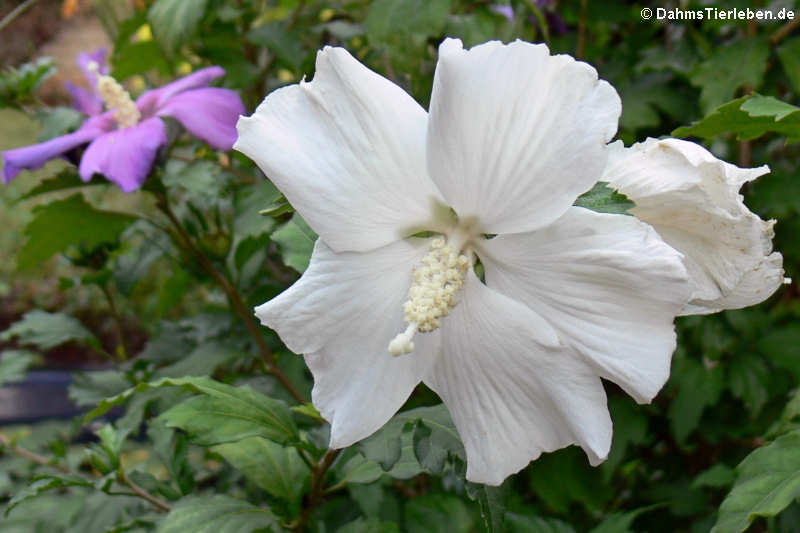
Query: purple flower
{"x":503,"y":9}
{"x":89,"y":101}
{"x":123,"y":141}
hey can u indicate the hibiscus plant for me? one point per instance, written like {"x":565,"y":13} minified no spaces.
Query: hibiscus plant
{"x":392,"y":265}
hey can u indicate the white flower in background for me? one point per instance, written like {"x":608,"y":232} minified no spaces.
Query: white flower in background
{"x":514,"y":135}
{"x":692,"y":200}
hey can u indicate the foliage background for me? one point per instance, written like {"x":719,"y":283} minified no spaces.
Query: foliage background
{"x":149,"y":310}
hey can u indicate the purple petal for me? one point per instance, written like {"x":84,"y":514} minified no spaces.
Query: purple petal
{"x":84,"y":101}
{"x":150,"y":101}
{"x":35,"y":156}
{"x":209,"y":114}
{"x":125,"y":156}
{"x":99,"y":57}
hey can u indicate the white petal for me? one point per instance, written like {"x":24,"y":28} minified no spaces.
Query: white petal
{"x":608,"y":284}
{"x":692,"y":200}
{"x":515,"y":134}
{"x":341,"y":314}
{"x":348,"y":151}
{"x":511,"y":396}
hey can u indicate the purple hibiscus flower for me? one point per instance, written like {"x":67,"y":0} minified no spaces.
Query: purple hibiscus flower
{"x":123,"y":141}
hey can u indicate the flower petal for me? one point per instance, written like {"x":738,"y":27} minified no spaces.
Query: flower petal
{"x":348,"y":151}
{"x":209,"y":114}
{"x":692,"y":200}
{"x":341,"y":314}
{"x":83,"y":100}
{"x":151,"y":101}
{"x":125,"y":156}
{"x":511,"y":396}
{"x":35,"y":156}
{"x":607,"y":283}
{"x":515,"y":134}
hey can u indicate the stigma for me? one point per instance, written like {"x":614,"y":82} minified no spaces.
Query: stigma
{"x":436,"y":281}
{"x":126,"y":114}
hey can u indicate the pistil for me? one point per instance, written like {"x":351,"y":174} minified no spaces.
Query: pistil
{"x":436,"y":281}
{"x":116,"y":97}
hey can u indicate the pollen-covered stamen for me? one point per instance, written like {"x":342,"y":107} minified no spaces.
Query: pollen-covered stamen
{"x":116,"y":97}
{"x":432,"y":295}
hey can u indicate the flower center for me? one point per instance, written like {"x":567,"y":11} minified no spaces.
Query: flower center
{"x":116,"y":97}
{"x":436,"y":280}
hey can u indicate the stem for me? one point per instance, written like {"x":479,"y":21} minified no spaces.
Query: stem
{"x":239,"y":307}
{"x":122,"y":478}
{"x":581,"y":45}
{"x":29,"y":455}
{"x":315,"y":494}
{"x":139,"y":491}
{"x":121,"y":346}
{"x":784,"y":31}
{"x":17,"y":11}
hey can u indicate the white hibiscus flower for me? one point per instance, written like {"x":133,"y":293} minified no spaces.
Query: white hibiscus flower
{"x":692,"y":200}
{"x":514,"y":135}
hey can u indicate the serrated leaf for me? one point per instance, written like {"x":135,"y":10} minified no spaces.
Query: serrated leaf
{"x":748,"y":117}
{"x":215,"y":514}
{"x":66,"y":179}
{"x":296,"y":240}
{"x":384,"y":446}
{"x":45,"y":483}
{"x":47,"y":330}
{"x":71,"y":222}
{"x":90,"y":388}
{"x":768,"y":481}
{"x":748,"y":378}
{"x":603,"y":199}
{"x":235,"y":413}
{"x":14,"y":365}
{"x":277,"y":469}
{"x":738,"y":64}
{"x":175,"y":21}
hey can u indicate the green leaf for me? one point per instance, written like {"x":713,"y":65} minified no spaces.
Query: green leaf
{"x":385,"y":445}
{"x":14,"y":365}
{"x":215,"y":514}
{"x":202,"y":361}
{"x":201,"y":180}
{"x":45,"y":483}
{"x":438,"y":513}
{"x":492,"y":502}
{"x":698,"y":387}
{"x":283,"y":42}
{"x":748,"y":117}
{"x":62,"y":224}
{"x":90,"y":388}
{"x":227,"y":414}
{"x":517,"y":523}
{"x":296,"y":240}
{"x":563,"y":477}
{"x":66,"y":179}
{"x":719,"y":475}
{"x":276,"y":469}
{"x":780,"y":347}
{"x":18,"y":85}
{"x":394,"y":20}
{"x":789,"y":54}
{"x":48,"y":330}
{"x":738,"y":64}
{"x":621,"y":522}
{"x":369,"y":526}
{"x":175,"y":21}
{"x":749,"y":380}
{"x":768,"y":481}
{"x":604,"y":199}
{"x":135,"y":58}
{"x":237,"y":412}
{"x":57,"y":121}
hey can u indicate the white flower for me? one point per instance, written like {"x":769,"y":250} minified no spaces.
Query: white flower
{"x":513,"y":137}
{"x":692,"y":200}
